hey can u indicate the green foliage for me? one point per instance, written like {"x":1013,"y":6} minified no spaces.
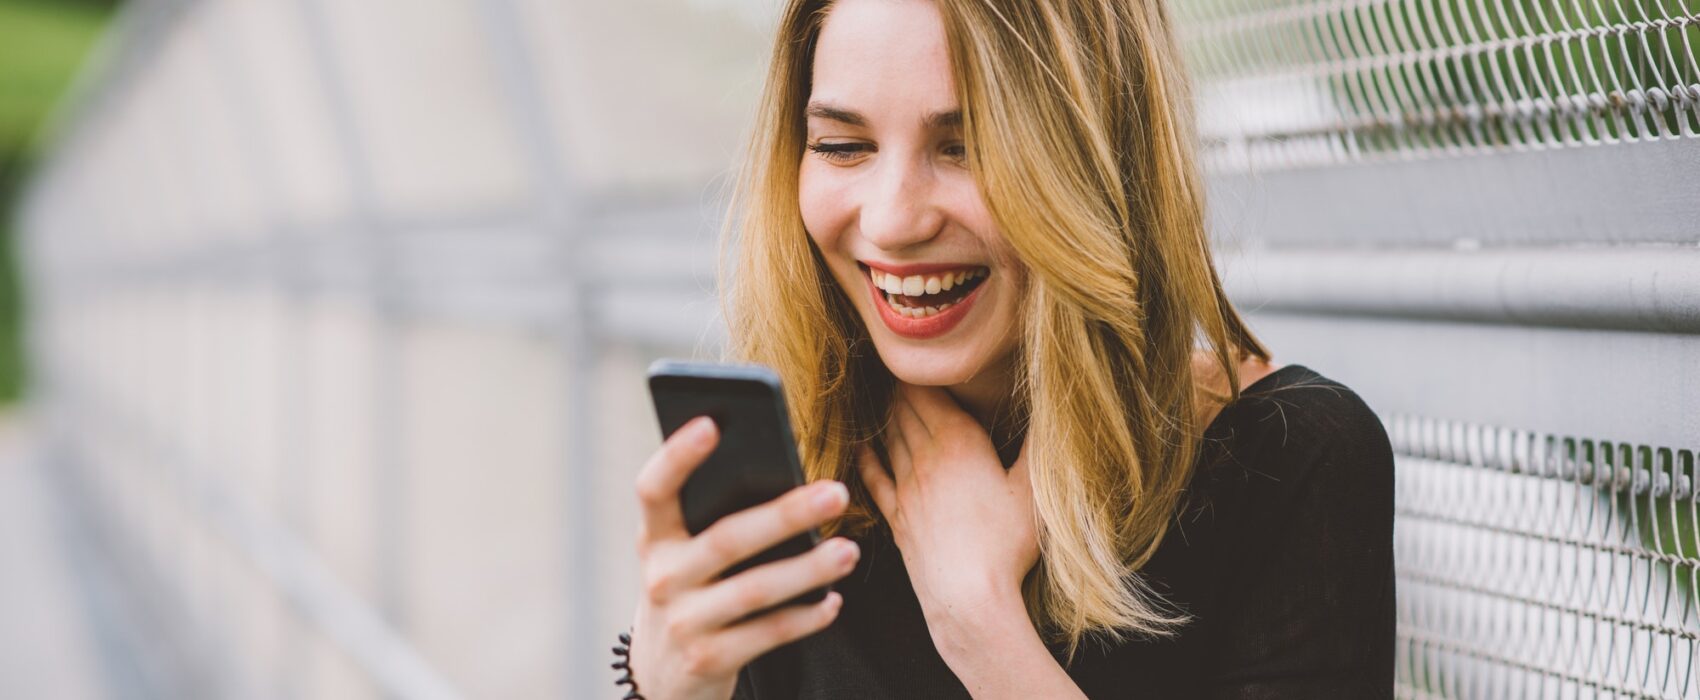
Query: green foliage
{"x":42,"y":44}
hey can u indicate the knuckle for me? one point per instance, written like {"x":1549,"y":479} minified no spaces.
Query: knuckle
{"x":649,"y":492}
{"x":676,"y":630}
{"x":821,"y":619}
{"x":658,"y":585}
{"x":700,"y":660}
{"x":800,"y":624}
{"x":826,"y":564}
{"x":720,"y":545}
{"x":748,"y":596}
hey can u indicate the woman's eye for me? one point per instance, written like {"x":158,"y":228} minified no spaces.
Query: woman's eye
{"x":956,"y":151}
{"x":839,"y":151}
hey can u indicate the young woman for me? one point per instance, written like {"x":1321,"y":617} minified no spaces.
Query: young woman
{"x":970,"y":239}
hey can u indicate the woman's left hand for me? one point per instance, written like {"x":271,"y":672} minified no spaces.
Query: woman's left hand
{"x":965,"y":525}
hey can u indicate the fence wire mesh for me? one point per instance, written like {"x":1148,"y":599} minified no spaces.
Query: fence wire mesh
{"x":1529,"y":565}
{"x":1288,"y":83}
{"x":1543,"y":566}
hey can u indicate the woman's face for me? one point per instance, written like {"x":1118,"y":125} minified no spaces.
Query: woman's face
{"x":888,"y":198}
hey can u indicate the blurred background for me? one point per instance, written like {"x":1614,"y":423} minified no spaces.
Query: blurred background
{"x":324,"y":323}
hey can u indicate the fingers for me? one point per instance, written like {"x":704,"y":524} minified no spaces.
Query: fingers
{"x":736,"y":646}
{"x":879,"y":484}
{"x":932,"y":406}
{"x":659,"y":482}
{"x":769,"y":584}
{"x":748,"y":532}
{"x":896,"y":440}
{"x":906,"y":416}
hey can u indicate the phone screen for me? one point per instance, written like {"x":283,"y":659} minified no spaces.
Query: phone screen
{"x":756,"y":459}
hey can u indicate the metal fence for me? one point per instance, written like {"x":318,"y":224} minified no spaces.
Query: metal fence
{"x":1479,"y":214}
{"x":340,"y":311}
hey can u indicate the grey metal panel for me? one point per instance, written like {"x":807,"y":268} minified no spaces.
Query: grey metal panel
{"x":1614,"y":385}
{"x":1626,"y":193}
{"x":1635,"y":288}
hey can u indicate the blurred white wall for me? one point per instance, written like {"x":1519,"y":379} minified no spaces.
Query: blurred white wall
{"x":341,"y":311}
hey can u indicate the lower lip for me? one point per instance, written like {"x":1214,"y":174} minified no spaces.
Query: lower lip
{"x":921,"y":328}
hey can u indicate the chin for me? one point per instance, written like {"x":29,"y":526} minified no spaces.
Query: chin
{"x":941,"y":367}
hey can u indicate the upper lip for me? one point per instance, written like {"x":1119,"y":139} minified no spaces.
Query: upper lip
{"x":909,"y":269}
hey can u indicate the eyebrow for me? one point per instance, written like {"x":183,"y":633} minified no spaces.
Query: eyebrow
{"x":937,"y":120}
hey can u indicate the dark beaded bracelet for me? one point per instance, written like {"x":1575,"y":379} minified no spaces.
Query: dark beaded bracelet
{"x":624,"y":651}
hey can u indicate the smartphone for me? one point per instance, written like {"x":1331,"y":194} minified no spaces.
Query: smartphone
{"x":756,"y":459}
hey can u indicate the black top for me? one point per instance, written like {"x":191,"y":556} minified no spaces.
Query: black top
{"x":1282,"y":555}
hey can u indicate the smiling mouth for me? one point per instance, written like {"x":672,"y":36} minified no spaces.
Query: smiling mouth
{"x":923,"y":296}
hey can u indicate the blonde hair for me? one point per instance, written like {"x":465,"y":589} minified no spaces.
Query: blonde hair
{"x":1077,"y":122}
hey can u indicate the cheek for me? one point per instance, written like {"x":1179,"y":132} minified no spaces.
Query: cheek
{"x":968,"y":206}
{"x":822,"y":205}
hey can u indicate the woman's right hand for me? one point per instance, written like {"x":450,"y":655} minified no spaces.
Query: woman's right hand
{"x":687,"y":640}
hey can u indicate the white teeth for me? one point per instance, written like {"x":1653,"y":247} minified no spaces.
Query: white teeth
{"x":916,"y":311}
{"x":917,"y":285}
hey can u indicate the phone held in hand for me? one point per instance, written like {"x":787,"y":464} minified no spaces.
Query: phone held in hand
{"x":756,"y":459}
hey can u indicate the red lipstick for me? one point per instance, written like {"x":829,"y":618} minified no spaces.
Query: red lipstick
{"x":925,"y":327}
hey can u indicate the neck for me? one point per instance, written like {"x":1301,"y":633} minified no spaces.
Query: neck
{"x":989,"y":398}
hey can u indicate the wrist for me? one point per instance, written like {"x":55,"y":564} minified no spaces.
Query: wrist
{"x":979,"y":623}
{"x":623,"y":664}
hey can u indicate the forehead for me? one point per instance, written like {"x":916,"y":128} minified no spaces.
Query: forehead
{"x":885,"y":58}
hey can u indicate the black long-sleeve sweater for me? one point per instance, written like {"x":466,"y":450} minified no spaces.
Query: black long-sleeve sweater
{"x":1282,"y":554}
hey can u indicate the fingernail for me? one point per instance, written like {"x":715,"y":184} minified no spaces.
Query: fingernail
{"x":831,"y":495}
{"x":701,"y":427}
{"x":844,"y":551}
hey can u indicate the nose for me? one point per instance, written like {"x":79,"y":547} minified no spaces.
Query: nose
{"x":898,"y":208}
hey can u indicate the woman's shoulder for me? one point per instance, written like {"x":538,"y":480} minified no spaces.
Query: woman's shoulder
{"x":1299,"y":466}
{"x":1291,"y":424}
